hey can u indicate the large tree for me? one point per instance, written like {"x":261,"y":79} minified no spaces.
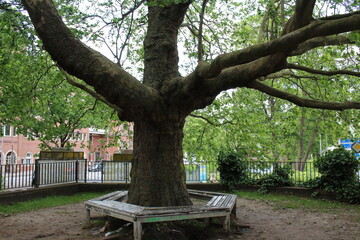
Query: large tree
{"x":159,"y":102}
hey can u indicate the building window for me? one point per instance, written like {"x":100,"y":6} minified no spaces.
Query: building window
{"x":77,"y":136}
{"x":7,"y":130}
{"x":97,"y":156}
{"x":1,"y":158}
{"x":28,"y":158}
{"x":11,"y":158}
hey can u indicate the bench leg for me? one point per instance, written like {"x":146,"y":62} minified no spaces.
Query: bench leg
{"x":207,"y":221}
{"x":137,"y":230}
{"x":233,"y":211}
{"x":227,"y":223}
{"x":87,"y":217}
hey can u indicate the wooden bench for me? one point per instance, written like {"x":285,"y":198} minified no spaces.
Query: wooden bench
{"x":220,"y":205}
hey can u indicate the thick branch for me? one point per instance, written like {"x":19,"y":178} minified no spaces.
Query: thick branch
{"x":90,"y":91}
{"x":320,"y":42}
{"x":282,"y":44}
{"x":322,"y":72}
{"x":302,"y":15}
{"x":107,"y":78}
{"x":302,"y":102}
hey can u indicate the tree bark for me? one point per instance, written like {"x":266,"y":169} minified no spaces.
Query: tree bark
{"x":310,"y":144}
{"x":299,"y":165}
{"x":157,"y":174}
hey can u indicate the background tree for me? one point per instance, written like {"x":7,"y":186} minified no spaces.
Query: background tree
{"x":284,"y":132}
{"x":159,"y":103}
{"x":34,"y":95}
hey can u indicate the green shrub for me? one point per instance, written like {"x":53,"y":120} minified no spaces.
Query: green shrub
{"x":279,"y":178}
{"x":338,"y":174}
{"x":232,"y":168}
{"x":338,"y":166}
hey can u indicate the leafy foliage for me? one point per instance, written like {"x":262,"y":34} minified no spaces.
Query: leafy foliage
{"x":34,"y":95}
{"x":338,"y":174}
{"x":280,"y":177}
{"x":337,"y":166}
{"x":232,"y":168}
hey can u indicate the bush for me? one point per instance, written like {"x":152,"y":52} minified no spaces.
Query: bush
{"x":279,"y":178}
{"x":232,"y":168}
{"x":338,"y":174}
{"x":338,"y":166}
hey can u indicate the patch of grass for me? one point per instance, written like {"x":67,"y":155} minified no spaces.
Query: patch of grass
{"x":46,"y":202}
{"x":287,"y":201}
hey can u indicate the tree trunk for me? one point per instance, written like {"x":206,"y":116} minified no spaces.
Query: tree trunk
{"x":310,"y":144}
{"x":299,"y":165}
{"x":157,"y":174}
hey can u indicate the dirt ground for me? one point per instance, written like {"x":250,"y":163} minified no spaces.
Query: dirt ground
{"x":256,"y":220}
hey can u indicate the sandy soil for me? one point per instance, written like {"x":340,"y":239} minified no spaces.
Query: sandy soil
{"x":256,"y":220}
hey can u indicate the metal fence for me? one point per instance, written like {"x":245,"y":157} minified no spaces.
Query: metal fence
{"x":16,"y":175}
{"x":45,"y":172}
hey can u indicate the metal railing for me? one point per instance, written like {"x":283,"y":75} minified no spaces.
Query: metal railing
{"x":45,"y":172}
{"x":16,"y":175}
{"x":106,"y":171}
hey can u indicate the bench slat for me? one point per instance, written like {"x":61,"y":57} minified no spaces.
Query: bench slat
{"x":216,"y":201}
{"x":118,"y":196}
{"x":109,"y":195}
{"x":204,"y":193}
{"x":226,"y":201}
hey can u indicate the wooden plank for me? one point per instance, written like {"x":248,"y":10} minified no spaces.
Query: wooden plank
{"x":200,"y":194}
{"x":118,"y":196}
{"x":109,"y":195}
{"x":216,"y":201}
{"x":204,"y":193}
{"x":119,"y":206}
{"x":120,"y":210}
{"x":177,"y":217}
{"x":182,"y":211}
{"x":232,"y":201}
{"x":210,"y":203}
{"x":227,"y":201}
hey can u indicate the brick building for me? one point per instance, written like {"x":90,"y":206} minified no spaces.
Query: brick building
{"x":17,"y":149}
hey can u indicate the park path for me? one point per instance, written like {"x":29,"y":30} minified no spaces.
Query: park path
{"x":257,"y":220}
{"x":266,"y":221}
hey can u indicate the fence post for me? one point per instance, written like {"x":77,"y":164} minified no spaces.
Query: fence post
{"x":85,"y":170}
{"x":102,"y":171}
{"x":77,"y":171}
{"x":1,"y":177}
{"x":126,"y":172}
{"x":36,"y":178}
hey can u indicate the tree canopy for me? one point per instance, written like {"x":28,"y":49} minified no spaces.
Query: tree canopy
{"x":34,"y":95}
{"x":169,"y":58}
